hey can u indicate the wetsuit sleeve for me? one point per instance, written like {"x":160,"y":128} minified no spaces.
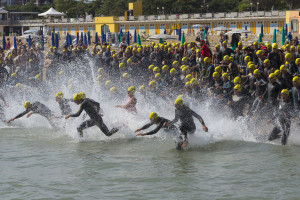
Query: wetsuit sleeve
{"x":176,"y":117}
{"x":2,"y":97}
{"x":78,"y":112}
{"x":146,"y":126}
{"x":156,"y":129}
{"x":197,"y":116}
{"x":22,"y":114}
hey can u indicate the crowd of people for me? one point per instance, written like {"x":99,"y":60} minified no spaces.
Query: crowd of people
{"x":258,"y":81}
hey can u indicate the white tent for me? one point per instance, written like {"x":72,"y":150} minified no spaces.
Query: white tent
{"x":162,"y":36}
{"x":51,"y":12}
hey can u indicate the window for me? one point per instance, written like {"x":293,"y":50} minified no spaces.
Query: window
{"x":295,"y":25}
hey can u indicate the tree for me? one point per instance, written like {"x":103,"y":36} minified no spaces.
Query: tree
{"x":30,"y":7}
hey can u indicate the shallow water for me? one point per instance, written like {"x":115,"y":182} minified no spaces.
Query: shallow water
{"x":41,"y":163}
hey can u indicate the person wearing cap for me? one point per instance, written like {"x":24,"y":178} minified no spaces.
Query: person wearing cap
{"x":237,"y":102}
{"x":275,"y":57}
{"x":291,"y":65}
{"x":260,"y":88}
{"x":159,"y":121}
{"x":226,"y":51}
{"x":36,"y":108}
{"x":295,"y":95}
{"x":283,"y":115}
{"x":131,"y":102}
{"x":217,"y":55}
{"x":271,"y":94}
{"x":208,"y":73}
{"x":92,"y":109}
{"x":63,"y":103}
{"x":185,"y":115}
{"x":297,"y":62}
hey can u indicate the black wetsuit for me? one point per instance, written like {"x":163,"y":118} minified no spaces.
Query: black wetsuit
{"x":185,"y":115}
{"x":284,"y":113}
{"x":160,"y":124}
{"x":65,"y":107}
{"x":2,"y":116}
{"x":41,"y":109}
{"x":238,"y":103}
{"x":92,"y":108}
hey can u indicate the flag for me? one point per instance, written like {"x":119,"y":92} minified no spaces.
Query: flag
{"x":77,"y":38}
{"x":283,"y":36}
{"x":96,"y":38}
{"x":56,"y":41}
{"x":262,"y":30}
{"x":4,"y":43}
{"x":135,"y":38}
{"x":15,"y":42}
{"x":274,"y":36}
{"x":139,"y":40}
{"x":128,"y":38}
{"x":42,"y":43}
{"x":183,"y":39}
{"x":29,"y":41}
{"x":260,"y":38}
{"x":246,"y":34}
{"x":179,"y":34}
{"x":52,"y":39}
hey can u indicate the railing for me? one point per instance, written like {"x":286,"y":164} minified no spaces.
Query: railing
{"x":275,"y":13}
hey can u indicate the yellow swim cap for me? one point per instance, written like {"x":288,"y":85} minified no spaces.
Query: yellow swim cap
{"x":61,"y":73}
{"x":226,"y":58}
{"x":156,"y":69}
{"x":259,"y":52}
{"x":153,"y":116}
{"x":187,"y":84}
{"x":77,"y":97}
{"x":237,"y":80}
{"x":157,"y":76}
{"x":113,"y":90}
{"x":288,"y":56}
{"x":247,"y":58}
{"x":125,"y":75}
{"x":274,"y":46}
{"x":175,"y":62}
{"x":188,"y":77}
{"x":152,"y":83}
{"x":277,"y":73}
{"x":206,"y":59}
{"x":178,"y":101}
{"x":38,"y":77}
{"x":252,"y":66}
{"x":14,"y":75}
{"x":142,"y":88}
{"x":185,"y":69}
{"x":184,"y":59}
{"x":297,"y":62}
{"x":272,"y":76}
{"x":165,"y":68}
{"x":225,"y":75}
{"x":108,"y":83}
{"x":285,"y":91}
{"x":216,"y":74}
{"x":296,"y":79}
{"x":283,"y":68}
{"x":266,"y":61}
{"x":27,"y":104}
{"x":129,"y":61}
{"x":59,"y":95}
{"x":256,"y":72}
{"x":238,"y":87}
{"x":131,"y":89}
{"x":218,"y":69}
{"x":100,"y":70}
{"x":122,"y":65}
{"x":82,"y":94}
{"x":173,"y":71}
{"x":151,"y":67}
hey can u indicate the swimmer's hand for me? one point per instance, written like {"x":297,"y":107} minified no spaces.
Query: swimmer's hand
{"x":205,"y":128}
{"x":10,"y":120}
{"x":137,"y":130}
{"x":68,"y":116}
{"x":141,"y":134}
{"x":53,"y":117}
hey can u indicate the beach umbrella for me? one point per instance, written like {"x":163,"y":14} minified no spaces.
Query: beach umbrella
{"x":290,"y":36}
{"x":260,"y":38}
{"x":274,"y":36}
{"x":52,"y":39}
{"x":161,"y":41}
{"x":121,"y":35}
{"x":81,"y":38}
{"x":89,"y":38}
{"x":103,"y":37}
{"x":42,"y":43}
{"x":234,"y":46}
{"x":246,"y":34}
{"x":29,"y":41}
{"x":283,"y":36}
{"x":128,"y":38}
{"x":134,"y":37}
{"x":179,"y":34}
{"x":67,"y":40}
{"x":70,"y":40}
{"x":56,"y":41}
{"x":15,"y":42}
{"x":165,"y":31}
{"x":96,"y":38}
{"x":4,"y":43}
{"x":183,"y":39}
{"x":77,"y":38}
{"x":204,"y":33}
{"x":286,"y":29}
{"x":262,"y":30}
{"x":139,"y":40}
{"x":292,"y":27}
{"x":85,"y":40}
